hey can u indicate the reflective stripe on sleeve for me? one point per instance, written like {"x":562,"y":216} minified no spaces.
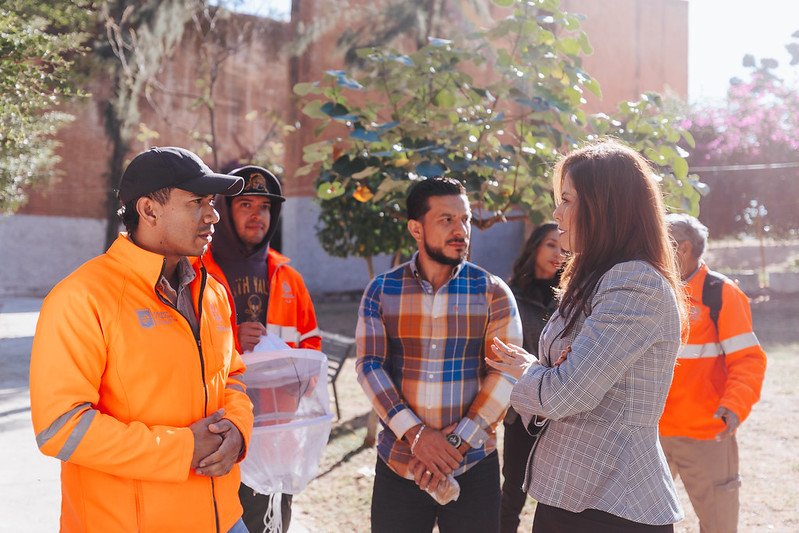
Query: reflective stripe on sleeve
{"x":313,"y":333}
{"x":48,"y":433}
{"x":287,"y":333}
{"x":235,"y":386}
{"x":739,"y":342}
{"x":77,"y":435}
{"x":699,"y":351}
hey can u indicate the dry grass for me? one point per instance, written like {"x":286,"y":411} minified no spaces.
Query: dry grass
{"x":339,"y":499}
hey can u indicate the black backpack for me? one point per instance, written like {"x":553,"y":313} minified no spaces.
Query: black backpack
{"x":711,"y":295}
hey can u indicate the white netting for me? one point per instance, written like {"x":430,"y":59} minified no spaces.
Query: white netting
{"x":288,"y":389}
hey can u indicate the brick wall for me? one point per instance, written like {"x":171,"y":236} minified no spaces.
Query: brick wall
{"x":639,"y":45}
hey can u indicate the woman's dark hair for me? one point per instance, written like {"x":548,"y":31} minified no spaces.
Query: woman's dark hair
{"x":417,"y":204}
{"x":129,"y":214}
{"x":523,"y":275}
{"x":620,"y":217}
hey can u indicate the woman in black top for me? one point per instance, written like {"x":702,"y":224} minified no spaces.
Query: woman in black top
{"x":534,"y":278}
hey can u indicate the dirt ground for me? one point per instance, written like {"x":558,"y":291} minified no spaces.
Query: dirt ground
{"x":339,"y":498}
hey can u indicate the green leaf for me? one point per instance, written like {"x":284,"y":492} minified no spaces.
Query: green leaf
{"x":680,"y":168}
{"x":592,"y":85}
{"x":444,"y":98}
{"x":569,"y":46}
{"x":329,"y":190}
{"x":504,"y":3}
{"x":668,"y":154}
{"x":549,"y":5}
{"x":303,"y":89}
{"x":388,"y":186}
{"x":504,"y":58}
{"x":689,"y":138}
{"x":317,"y":152}
{"x":571,"y":22}
{"x":304,"y":170}
{"x":313,"y":109}
{"x":585,"y":45}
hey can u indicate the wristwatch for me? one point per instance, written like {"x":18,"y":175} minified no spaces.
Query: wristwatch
{"x":454,"y":439}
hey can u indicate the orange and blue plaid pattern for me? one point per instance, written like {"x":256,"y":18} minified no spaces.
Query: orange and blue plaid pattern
{"x":421,"y":357}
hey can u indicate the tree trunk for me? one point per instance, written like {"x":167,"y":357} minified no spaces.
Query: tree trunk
{"x":762,"y":236}
{"x":119,"y":148}
{"x":370,"y":267}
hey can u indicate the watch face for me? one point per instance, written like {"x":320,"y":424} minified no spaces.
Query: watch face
{"x":454,"y":439}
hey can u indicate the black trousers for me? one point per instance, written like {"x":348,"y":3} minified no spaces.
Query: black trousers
{"x":400,"y":506}
{"x":515,"y":451}
{"x":255,"y":506}
{"x":550,"y":519}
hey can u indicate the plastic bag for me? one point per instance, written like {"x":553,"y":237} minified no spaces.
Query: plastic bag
{"x":448,"y":491}
{"x":288,"y":389}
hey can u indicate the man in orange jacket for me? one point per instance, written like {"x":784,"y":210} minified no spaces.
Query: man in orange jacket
{"x":135,"y":378}
{"x":268,"y":295}
{"x":717,"y":380}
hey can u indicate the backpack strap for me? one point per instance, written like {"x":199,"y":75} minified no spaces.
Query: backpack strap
{"x":711,"y":295}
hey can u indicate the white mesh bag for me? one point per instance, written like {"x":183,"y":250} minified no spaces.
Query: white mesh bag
{"x":288,"y":389}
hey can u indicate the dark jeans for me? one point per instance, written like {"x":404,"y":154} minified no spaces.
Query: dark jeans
{"x":400,"y":506}
{"x":255,"y":506}
{"x":555,"y":520}
{"x":515,"y":451}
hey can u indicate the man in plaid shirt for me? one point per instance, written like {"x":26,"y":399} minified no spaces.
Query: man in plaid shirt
{"x":423,"y":333}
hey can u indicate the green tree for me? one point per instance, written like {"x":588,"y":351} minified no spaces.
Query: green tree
{"x":38,"y":46}
{"x":217,"y":35}
{"x":408,"y":116}
{"x":137,"y":37}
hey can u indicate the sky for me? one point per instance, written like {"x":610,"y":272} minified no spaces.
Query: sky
{"x":720,"y":33}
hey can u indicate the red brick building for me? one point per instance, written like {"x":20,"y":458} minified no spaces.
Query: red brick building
{"x":639,"y":45}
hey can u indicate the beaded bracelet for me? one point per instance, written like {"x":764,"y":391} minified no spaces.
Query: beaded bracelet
{"x":416,"y":438}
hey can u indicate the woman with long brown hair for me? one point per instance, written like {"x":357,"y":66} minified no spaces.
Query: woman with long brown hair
{"x":607,"y":354}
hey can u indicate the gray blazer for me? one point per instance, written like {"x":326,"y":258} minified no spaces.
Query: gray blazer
{"x":601,"y":448}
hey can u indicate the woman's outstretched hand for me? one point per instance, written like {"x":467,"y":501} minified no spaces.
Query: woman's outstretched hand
{"x":512,"y":359}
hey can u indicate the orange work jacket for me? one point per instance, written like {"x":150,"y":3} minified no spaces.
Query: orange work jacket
{"x":724,"y":368}
{"x":116,"y":379}
{"x":290,"y":313}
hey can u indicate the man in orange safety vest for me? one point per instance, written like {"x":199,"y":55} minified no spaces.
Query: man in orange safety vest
{"x":717,"y":380}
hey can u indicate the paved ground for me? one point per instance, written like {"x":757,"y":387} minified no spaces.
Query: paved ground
{"x":30,"y":496}
{"x":29,"y":487}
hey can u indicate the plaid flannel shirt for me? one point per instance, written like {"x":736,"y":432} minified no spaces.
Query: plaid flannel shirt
{"x":421,"y":357}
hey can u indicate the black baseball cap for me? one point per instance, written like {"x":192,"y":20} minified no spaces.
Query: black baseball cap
{"x":259,"y":182}
{"x":157,"y":168}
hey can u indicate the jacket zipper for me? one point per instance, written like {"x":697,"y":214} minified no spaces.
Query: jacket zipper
{"x":198,"y":343}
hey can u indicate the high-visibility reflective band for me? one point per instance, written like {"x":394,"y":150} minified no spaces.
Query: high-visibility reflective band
{"x":77,"y":435}
{"x":699,"y":351}
{"x":287,"y":333}
{"x":313,"y":333}
{"x":235,"y":386}
{"x":739,"y":342}
{"x":48,"y":433}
